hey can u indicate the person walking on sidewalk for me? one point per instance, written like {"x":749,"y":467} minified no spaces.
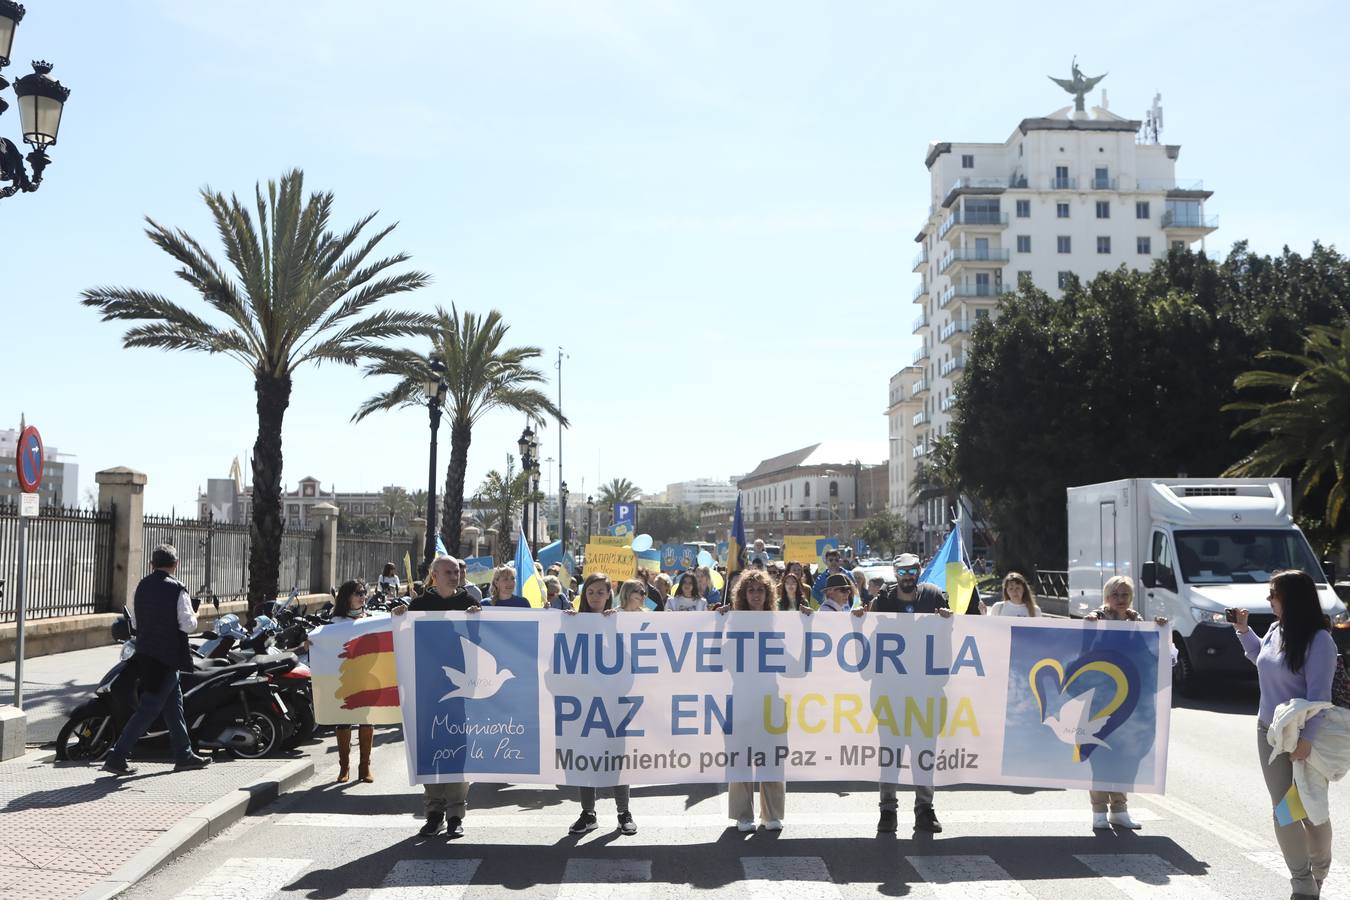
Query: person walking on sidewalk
{"x":163,"y":615}
{"x":445,"y":594}
{"x":350,"y":606}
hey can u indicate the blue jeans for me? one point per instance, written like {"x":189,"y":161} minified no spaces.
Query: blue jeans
{"x":168,"y":699}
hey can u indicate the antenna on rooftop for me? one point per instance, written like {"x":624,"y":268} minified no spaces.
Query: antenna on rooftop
{"x":1153,"y":124}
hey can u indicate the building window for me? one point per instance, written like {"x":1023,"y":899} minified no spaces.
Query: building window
{"x":1024,"y":279}
{"x":1062,"y":178}
{"x":806,"y":489}
{"x":967,"y":161}
{"x":1103,"y":209}
{"x":1063,"y":244}
{"x":1101,"y":179}
{"x":1103,"y":244}
{"x":981,"y":314}
{"x":1141,"y":209}
{"x":834,"y":489}
{"x":1061,"y":210}
{"x":1062,"y":279}
{"x":1024,"y":209}
{"x":1178,"y":245}
{"x":1024,"y":243}
{"x":1144,"y":245}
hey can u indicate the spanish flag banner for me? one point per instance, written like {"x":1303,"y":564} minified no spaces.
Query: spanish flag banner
{"x":351,"y":663}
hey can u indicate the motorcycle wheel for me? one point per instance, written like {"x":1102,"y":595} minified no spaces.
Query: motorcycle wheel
{"x":304,"y":724}
{"x":266,"y":729}
{"x":88,"y":734}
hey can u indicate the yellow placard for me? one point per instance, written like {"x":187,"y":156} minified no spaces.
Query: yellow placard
{"x":609,"y":540}
{"x":801,"y":548}
{"x":619,"y":563}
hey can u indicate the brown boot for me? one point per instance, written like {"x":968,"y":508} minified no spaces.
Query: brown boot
{"x":344,"y":742}
{"x":367,"y":737}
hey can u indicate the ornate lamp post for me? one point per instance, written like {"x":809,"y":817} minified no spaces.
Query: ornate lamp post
{"x":590,"y":513}
{"x":562,"y":514}
{"x":529,"y":463}
{"x":41,"y":101}
{"x":436,"y":388}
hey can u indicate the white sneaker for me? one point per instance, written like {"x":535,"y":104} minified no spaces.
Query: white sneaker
{"x":1099,"y":822}
{"x":745,"y":825}
{"x":773,"y":824}
{"x":1122,"y":820}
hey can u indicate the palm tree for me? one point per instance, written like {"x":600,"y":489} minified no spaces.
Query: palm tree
{"x":397,"y":505}
{"x":618,"y":490}
{"x":505,"y":494}
{"x":296,"y":293}
{"x":482,"y":375}
{"x":1306,"y":429}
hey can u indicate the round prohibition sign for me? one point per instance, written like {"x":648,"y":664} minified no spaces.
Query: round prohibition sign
{"x":29,"y":460}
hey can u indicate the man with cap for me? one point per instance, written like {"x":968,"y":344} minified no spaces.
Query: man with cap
{"x":910,"y":597}
{"x":832,"y":567}
{"x":163,"y":615}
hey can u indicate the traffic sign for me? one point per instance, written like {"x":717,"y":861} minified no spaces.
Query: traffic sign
{"x":29,"y":459}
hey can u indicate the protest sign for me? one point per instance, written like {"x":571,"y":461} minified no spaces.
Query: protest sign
{"x":619,"y":563}
{"x":649,"y":560}
{"x":478,"y":570}
{"x":533,"y":697}
{"x":609,"y":540}
{"x":351,"y":667}
{"x":801,"y":549}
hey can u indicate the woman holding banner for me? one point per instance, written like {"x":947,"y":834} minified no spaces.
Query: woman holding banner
{"x":350,"y":605}
{"x":502,"y":591}
{"x":633,"y":596}
{"x":597,"y":596}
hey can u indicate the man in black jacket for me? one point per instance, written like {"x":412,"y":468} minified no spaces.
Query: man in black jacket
{"x":163,"y":615}
{"x":909,"y":596}
{"x":445,"y":594}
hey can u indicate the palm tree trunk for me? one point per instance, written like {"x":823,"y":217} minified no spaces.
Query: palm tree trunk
{"x":452,"y":506}
{"x":264,"y":554}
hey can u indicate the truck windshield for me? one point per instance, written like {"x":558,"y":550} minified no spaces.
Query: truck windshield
{"x":1242,"y":557}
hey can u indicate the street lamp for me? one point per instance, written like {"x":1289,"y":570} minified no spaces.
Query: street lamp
{"x":529,"y":463}
{"x":590,"y":512}
{"x":562,"y":515}
{"x":435,"y":388}
{"x":41,"y":101}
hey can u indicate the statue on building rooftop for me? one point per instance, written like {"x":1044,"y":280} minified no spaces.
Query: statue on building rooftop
{"x":1078,"y":85}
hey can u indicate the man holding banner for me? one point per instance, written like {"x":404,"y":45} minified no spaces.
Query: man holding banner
{"x":445,"y":594}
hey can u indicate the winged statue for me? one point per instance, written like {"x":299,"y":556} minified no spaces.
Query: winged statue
{"x":1078,"y":85}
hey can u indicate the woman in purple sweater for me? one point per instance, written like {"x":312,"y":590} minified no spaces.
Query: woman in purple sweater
{"x":1295,"y":660}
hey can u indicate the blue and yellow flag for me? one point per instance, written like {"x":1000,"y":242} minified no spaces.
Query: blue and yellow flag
{"x":528,"y":582}
{"x":736,"y":540}
{"x":948,"y":570}
{"x":1290,"y":809}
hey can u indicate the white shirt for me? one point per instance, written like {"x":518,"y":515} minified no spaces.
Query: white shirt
{"x":681,"y":603}
{"x":391,"y":580}
{"x":829,"y":604}
{"x":473,"y":591}
{"x":1005,"y":608}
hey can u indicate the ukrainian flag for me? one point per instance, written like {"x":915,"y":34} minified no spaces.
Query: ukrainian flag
{"x":736,"y":541}
{"x":1290,"y":809}
{"x":949,"y":571}
{"x":528,"y":582}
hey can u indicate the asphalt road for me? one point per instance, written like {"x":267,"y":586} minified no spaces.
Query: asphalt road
{"x":1209,"y":837}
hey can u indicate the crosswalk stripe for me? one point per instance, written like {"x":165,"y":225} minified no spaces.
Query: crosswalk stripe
{"x":967,"y":878}
{"x":1221,"y":829}
{"x":246,"y":878}
{"x":424,"y":879}
{"x":1144,"y":876}
{"x":788,"y":878}
{"x":530,"y":819}
{"x":1274,"y":861}
{"x":606,"y":879}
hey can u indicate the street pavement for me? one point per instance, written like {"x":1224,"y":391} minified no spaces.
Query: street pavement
{"x":1209,"y":837}
{"x":55,"y":684}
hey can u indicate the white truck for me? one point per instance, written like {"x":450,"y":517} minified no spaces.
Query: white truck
{"x":1195,"y":547}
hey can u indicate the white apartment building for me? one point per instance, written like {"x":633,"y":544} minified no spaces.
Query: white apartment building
{"x":701,"y":490}
{"x":1074,"y":192}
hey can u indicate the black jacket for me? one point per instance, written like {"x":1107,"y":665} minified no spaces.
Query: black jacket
{"x":157,"y":633}
{"x":430,"y":601}
{"x":927,"y":599}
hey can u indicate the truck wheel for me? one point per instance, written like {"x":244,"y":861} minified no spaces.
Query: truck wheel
{"x":1184,"y":679}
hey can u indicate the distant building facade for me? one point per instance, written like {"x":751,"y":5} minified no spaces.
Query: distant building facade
{"x":60,"y":477}
{"x":230,"y":500}
{"x":827,"y":487}
{"x":699,"y":491}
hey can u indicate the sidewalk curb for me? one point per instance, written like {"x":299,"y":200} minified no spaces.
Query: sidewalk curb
{"x":200,"y":826}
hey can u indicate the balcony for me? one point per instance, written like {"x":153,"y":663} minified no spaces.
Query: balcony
{"x":1062,"y":184}
{"x":918,"y":387}
{"x":948,"y":403}
{"x":955,"y":326}
{"x":1103,"y":184}
{"x":920,"y":321}
{"x":972,"y":219}
{"x":920,"y":355}
{"x":971,"y":292}
{"x":921,"y":260}
{"x":954,"y":364}
{"x":961,"y":255}
{"x":920,"y":418}
{"x":920,"y":291}
{"x":1170,"y":185}
{"x":974,"y":185}
{"x":919,"y":451}
{"x":1189,"y":222}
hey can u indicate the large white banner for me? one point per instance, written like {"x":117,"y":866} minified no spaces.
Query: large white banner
{"x":641,"y":698}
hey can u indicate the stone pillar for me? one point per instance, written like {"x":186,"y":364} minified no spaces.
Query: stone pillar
{"x":122,"y":490}
{"x":326,"y":515}
{"x":419,"y":535}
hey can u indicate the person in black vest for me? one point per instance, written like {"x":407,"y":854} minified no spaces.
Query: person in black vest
{"x":910,"y":597}
{"x":445,"y":593}
{"x":163,"y":615}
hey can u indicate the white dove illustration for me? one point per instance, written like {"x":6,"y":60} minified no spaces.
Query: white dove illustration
{"x":1073,"y":723}
{"x":481,"y":677}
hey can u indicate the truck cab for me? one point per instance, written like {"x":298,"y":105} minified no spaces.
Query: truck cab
{"x":1195,"y":548}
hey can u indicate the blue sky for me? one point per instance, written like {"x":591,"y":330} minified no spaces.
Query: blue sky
{"x":710,"y":205}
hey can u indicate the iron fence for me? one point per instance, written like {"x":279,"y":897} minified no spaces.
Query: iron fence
{"x":213,"y":556}
{"x":69,"y":562}
{"x":299,"y":569}
{"x":364,"y":557}
{"x":1052,"y":591}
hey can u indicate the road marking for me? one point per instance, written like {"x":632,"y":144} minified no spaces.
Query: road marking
{"x":1221,"y":829}
{"x":1143,"y":876}
{"x":520,"y":820}
{"x":788,"y":878}
{"x":424,"y":879}
{"x":246,"y":878}
{"x":1274,"y":861}
{"x":606,"y":879}
{"x":967,"y":878}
